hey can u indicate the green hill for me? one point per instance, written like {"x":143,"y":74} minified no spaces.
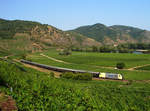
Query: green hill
{"x":20,"y":36}
{"x":114,"y":34}
{"x":28,"y":36}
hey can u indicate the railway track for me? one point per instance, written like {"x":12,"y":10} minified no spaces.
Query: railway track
{"x":59,"y":69}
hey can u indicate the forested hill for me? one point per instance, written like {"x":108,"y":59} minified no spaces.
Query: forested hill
{"x":114,"y":34}
{"x":34,"y":36}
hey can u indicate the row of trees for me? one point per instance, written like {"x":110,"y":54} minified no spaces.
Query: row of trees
{"x":104,"y":49}
{"x":135,"y":46}
{"x":123,"y":48}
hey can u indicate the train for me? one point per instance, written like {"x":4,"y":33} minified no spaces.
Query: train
{"x":59,"y":69}
{"x":111,"y":76}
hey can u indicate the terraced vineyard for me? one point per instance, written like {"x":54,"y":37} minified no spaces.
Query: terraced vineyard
{"x":35,"y":90}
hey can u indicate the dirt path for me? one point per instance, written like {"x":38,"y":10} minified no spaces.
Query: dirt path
{"x":56,"y":74}
{"x":54,"y":59}
{"x":133,"y":68}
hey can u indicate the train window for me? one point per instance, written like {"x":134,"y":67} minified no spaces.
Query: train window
{"x":111,"y":76}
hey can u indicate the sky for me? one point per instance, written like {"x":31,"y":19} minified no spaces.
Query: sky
{"x":70,"y":14}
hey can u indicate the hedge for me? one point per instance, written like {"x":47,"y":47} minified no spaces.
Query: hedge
{"x":77,"y":76}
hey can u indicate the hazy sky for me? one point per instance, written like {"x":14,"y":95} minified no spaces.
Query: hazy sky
{"x":69,"y":14}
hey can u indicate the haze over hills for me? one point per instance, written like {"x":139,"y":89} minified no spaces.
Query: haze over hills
{"x":115,"y":34}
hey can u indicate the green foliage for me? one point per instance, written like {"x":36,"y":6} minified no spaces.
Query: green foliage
{"x":9,"y":28}
{"x":105,"y":49}
{"x":134,"y":46}
{"x":120,"y":65}
{"x":77,"y":76}
{"x":33,"y":90}
{"x":79,"y":37}
{"x":96,"y":31}
{"x":121,"y":48}
{"x":134,"y":32}
{"x":23,"y":56}
{"x":94,"y":49}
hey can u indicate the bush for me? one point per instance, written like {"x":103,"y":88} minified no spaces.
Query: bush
{"x":120,"y":65}
{"x":67,"y":75}
{"x":29,"y":59}
{"x":65,"y":52}
{"x":77,"y":76}
{"x":23,"y":56}
{"x":51,"y":74}
{"x":84,"y":76}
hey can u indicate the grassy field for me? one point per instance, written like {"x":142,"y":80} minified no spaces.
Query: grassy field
{"x":35,"y":90}
{"x":75,"y":64}
{"x":103,"y":59}
{"x":144,"y":68}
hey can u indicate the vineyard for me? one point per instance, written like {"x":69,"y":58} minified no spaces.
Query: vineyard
{"x":35,"y":90}
{"x":68,"y":60}
{"x":92,"y":61}
{"x":103,"y":59}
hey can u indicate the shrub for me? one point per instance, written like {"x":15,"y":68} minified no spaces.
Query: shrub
{"x":51,"y":74}
{"x":84,"y":76}
{"x":77,"y":76}
{"x":29,"y":59}
{"x":23,"y":56}
{"x":120,"y":65}
{"x":65,"y":52}
{"x":129,"y":82}
{"x":67,"y":75}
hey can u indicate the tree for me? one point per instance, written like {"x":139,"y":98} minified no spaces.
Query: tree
{"x":120,"y":65}
{"x":94,"y":49}
{"x":105,"y":49}
{"x":23,"y":56}
{"x":65,"y":52}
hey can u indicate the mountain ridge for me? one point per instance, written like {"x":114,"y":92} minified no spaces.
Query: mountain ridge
{"x":33,"y":36}
{"x":116,"y":34}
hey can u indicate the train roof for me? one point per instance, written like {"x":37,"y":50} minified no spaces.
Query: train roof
{"x":60,"y":68}
{"x":110,"y":73}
